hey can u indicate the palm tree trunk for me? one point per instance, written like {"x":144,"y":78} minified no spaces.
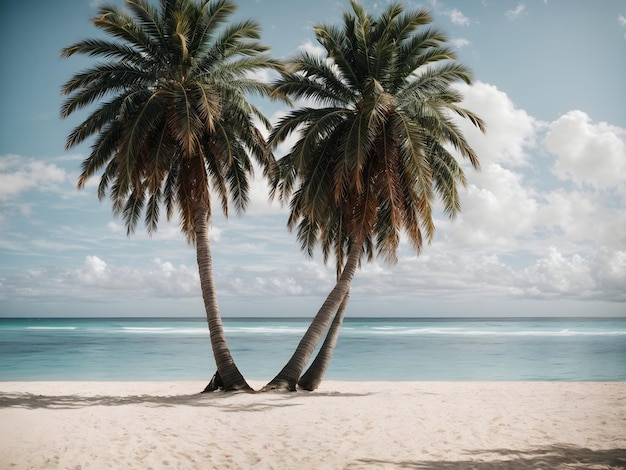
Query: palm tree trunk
{"x":287,"y":378}
{"x":312,"y":378}
{"x":227,"y":377}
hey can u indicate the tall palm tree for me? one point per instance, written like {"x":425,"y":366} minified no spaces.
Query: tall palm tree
{"x":376,"y":145}
{"x":173,"y":126}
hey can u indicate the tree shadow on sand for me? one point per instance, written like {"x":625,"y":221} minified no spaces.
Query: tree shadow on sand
{"x":35,"y":401}
{"x":217,"y":399}
{"x":556,"y":457}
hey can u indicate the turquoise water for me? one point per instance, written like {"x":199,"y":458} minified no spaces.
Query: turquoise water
{"x":368,"y":349}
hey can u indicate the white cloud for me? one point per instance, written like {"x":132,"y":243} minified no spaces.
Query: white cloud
{"x":622,"y":20}
{"x":588,"y":153}
{"x":513,"y":209}
{"x":510,"y":131}
{"x":97,"y":279}
{"x":313,"y":49}
{"x":94,"y":272}
{"x":610,"y":268}
{"x":460,"y":43}
{"x":450,"y":274}
{"x":19,"y":174}
{"x":262,"y":75}
{"x":162,"y":279}
{"x":457,"y":17}
{"x":555,"y":273}
{"x":516,"y":12}
{"x":599,"y":274}
{"x":301,"y":277}
{"x":478,"y":274}
{"x":571,"y":218}
{"x":498,"y":209}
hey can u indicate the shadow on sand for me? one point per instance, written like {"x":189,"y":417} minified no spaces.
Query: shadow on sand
{"x":216,"y":399}
{"x":556,"y":457}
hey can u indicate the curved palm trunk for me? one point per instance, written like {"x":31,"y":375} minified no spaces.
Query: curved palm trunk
{"x":227,"y":377}
{"x":313,"y":376}
{"x":287,"y":378}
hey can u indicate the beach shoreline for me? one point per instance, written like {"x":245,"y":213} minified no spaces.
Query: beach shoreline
{"x":347,"y":425}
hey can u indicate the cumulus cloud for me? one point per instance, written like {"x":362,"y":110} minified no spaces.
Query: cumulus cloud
{"x":94,"y":271}
{"x":511,"y":131}
{"x":555,"y":273}
{"x":588,"y":153}
{"x":512,"y":209}
{"x":516,"y":12}
{"x":498,"y":209}
{"x":161,"y":279}
{"x":597,"y":275}
{"x":466,"y":274}
{"x":455,"y":15}
{"x":19,"y":174}
{"x":571,"y":217}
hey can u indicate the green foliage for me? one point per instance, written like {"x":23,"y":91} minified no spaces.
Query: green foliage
{"x":374,"y":146}
{"x":171,"y":118}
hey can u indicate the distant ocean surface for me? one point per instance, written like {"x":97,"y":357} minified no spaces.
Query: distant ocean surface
{"x":397,"y":349}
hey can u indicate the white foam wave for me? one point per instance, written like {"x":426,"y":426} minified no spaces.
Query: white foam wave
{"x":251,"y":330}
{"x":486,"y":332}
{"x":165,"y":330}
{"x":379,"y":330}
{"x":50,"y":327}
{"x":265,"y":330}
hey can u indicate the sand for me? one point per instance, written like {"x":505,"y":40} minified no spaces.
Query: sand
{"x":343,"y":425}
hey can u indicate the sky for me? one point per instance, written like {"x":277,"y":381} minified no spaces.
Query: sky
{"x":543,"y":225}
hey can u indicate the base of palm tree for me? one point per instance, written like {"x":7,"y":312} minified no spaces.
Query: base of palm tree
{"x":217,"y":384}
{"x":280,"y":384}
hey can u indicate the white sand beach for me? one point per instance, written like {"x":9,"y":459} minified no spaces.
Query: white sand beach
{"x":343,"y":425}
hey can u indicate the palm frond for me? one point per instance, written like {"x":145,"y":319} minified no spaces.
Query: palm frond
{"x":152,"y":211}
{"x":94,"y":84}
{"x":107,"y":50}
{"x":124,"y":27}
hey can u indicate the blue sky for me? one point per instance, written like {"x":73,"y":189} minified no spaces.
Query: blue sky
{"x":543,"y":228}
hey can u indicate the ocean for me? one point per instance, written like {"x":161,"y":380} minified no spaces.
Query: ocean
{"x":390,"y":349}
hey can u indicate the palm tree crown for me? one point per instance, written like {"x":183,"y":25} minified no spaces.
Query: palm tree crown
{"x":176,"y":120}
{"x":374,"y":148}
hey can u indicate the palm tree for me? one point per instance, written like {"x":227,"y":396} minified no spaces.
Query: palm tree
{"x":333,"y":240}
{"x":312,"y":377}
{"x":374,"y":148}
{"x":173,"y":126}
